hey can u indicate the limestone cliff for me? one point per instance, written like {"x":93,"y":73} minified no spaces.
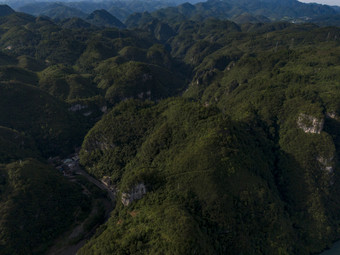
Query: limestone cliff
{"x":137,"y":192}
{"x":310,"y":124}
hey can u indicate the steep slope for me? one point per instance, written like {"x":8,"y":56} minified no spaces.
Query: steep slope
{"x":243,"y":159}
{"x":36,"y":205}
{"x":34,"y":8}
{"x":5,"y":10}
{"x":30,"y":110}
{"x":60,"y":12}
{"x":137,"y":80}
{"x":102,"y":18}
{"x":107,"y":149}
{"x":72,"y":23}
{"x":64,"y":83}
{"x":14,"y":146}
{"x":6,"y":59}
{"x":250,"y":156}
{"x":120,"y":13}
{"x":119,"y":9}
{"x":10,"y":73}
{"x":208,"y":184}
{"x":30,"y":63}
{"x":273,"y":10}
{"x":54,"y":10}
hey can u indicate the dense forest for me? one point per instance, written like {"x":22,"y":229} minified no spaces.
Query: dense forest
{"x":219,"y":132}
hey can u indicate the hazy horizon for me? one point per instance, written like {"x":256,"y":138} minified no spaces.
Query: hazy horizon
{"x":328,"y":2}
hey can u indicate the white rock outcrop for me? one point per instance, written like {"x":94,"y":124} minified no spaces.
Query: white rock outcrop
{"x":310,"y":124}
{"x":326,"y":163}
{"x":77,"y":107}
{"x":136,"y":193}
{"x":332,"y":115}
{"x":103,"y":109}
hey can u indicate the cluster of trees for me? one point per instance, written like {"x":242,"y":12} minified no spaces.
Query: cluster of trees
{"x":36,"y":206}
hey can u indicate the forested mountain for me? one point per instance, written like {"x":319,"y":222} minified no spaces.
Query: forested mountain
{"x":254,"y":153}
{"x":5,"y":10}
{"x":120,"y":9}
{"x":36,"y":206}
{"x":103,"y":18}
{"x":247,"y":11}
{"x":53,"y":10}
{"x":217,"y":137}
{"x":89,"y":4}
{"x":243,"y":11}
{"x":74,"y":23}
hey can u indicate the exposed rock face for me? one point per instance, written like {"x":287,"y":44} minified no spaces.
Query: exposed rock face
{"x":86,"y":114}
{"x":146,"y":95}
{"x":332,"y":115}
{"x":77,"y":107}
{"x":326,"y":163}
{"x":163,"y":32}
{"x":103,"y":109}
{"x":310,"y":124}
{"x":136,"y":193}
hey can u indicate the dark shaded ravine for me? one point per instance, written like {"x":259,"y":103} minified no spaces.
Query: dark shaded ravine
{"x":71,"y":249}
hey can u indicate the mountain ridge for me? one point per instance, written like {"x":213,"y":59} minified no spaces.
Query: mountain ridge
{"x":103,"y":18}
{"x":5,"y":10}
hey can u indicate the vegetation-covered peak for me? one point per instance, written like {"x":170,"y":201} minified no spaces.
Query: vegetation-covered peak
{"x":103,"y":18}
{"x":74,"y":23}
{"x":31,"y":190}
{"x":5,"y":10}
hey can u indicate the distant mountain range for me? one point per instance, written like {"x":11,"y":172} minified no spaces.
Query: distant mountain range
{"x":240,"y":11}
{"x":337,"y":8}
{"x":55,"y":11}
{"x":70,"y":17}
{"x":121,"y":9}
{"x":244,"y":11}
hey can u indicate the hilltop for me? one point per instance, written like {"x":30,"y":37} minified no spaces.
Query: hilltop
{"x":103,"y":18}
{"x":5,"y":10}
